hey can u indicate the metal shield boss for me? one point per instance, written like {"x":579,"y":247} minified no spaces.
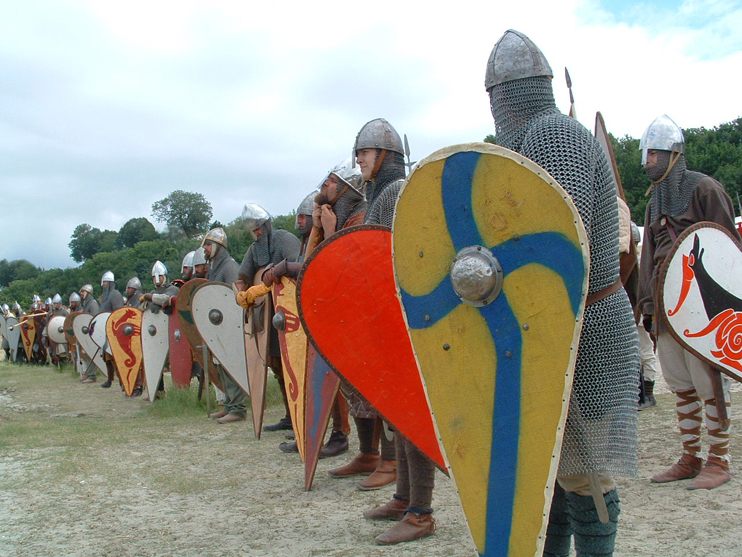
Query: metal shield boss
{"x":701,"y":297}
{"x":154,"y":348}
{"x":124,"y":333}
{"x":219,"y":320}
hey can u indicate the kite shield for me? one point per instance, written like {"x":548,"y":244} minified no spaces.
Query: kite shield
{"x":124,"y":331}
{"x":257,"y":342}
{"x":14,"y":337}
{"x":154,"y":335}
{"x":81,"y":325}
{"x":700,"y":296}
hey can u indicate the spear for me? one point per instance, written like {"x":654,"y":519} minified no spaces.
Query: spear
{"x":572,"y":112}
{"x":407,"y":152}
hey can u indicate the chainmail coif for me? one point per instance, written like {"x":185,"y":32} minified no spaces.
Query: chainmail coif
{"x":672,"y":195}
{"x":381,"y":207}
{"x":600,"y":434}
{"x":349,"y":204}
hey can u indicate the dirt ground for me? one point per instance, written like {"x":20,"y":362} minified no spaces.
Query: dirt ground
{"x":86,"y":472}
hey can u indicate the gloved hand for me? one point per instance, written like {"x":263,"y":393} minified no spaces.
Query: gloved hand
{"x":246,"y":298}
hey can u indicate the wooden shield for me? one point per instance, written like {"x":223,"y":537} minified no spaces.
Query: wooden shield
{"x":155,"y":330}
{"x":3,"y":327}
{"x":701,"y":297}
{"x":28,"y":334}
{"x":14,"y":337}
{"x":40,"y":322}
{"x":257,"y":343}
{"x":55,"y":329}
{"x":184,"y":308}
{"x":180,"y":353}
{"x":219,"y":320}
{"x":601,"y":134}
{"x":124,"y":332}
{"x":97,"y":331}
{"x":293,"y":342}
{"x":322,"y":385}
{"x":498,"y":371}
{"x":69,"y":335}
{"x":81,"y":325}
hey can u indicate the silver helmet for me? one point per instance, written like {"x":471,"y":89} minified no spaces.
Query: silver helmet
{"x":307,"y":205}
{"x":57,"y":299}
{"x":36,"y":298}
{"x":217,"y":236}
{"x":188,"y":260}
{"x":663,"y":135}
{"x":515,"y":56}
{"x":74,"y":297}
{"x":199,"y":257}
{"x":48,"y":302}
{"x":253,"y":217}
{"x":348,"y":173}
{"x":134,"y":283}
{"x":159,"y":269}
{"x":107,"y":277}
{"x":6,"y":309}
{"x":378,"y":134}
{"x":17,"y":307}
{"x":87,"y":288}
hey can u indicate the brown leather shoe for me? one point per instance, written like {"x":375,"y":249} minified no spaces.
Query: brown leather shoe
{"x":688,"y":466}
{"x":715,"y":473}
{"x":412,"y":527}
{"x":229,"y":418}
{"x":385,"y":473}
{"x":363,"y":464}
{"x":393,"y":510}
{"x":217,"y":415}
{"x":88,"y":380}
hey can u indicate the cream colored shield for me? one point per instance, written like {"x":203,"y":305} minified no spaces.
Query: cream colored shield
{"x":98,"y":331}
{"x":154,"y":348}
{"x":81,"y":326}
{"x":219,"y":320}
{"x":55,"y":329}
{"x":14,"y":336}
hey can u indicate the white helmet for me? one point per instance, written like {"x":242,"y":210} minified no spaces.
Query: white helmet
{"x":74,"y":297}
{"x":107,"y":277}
{"x":663,"y":135}
{"x":57,"y":299}
{"x":188,"y":260}
{"x":253,"y":217}
{"x":159,"y":270}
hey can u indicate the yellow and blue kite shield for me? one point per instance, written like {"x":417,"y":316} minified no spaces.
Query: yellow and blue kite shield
{"x":492,"y":263}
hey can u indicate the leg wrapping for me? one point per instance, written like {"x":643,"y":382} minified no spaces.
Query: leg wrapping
{"x":559,"y":530}
{"x":592,"y":537}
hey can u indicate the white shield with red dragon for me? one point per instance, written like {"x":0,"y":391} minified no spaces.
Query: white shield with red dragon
{"x":701,"y":297}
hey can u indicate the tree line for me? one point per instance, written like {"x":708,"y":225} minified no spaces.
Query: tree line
{"x":133,"y":249}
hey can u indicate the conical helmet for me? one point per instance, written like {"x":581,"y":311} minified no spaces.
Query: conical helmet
{"x":663,"y":135}
{"x":515,"y":56}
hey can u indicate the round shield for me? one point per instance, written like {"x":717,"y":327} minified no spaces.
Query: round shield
{"x":55,"y":329}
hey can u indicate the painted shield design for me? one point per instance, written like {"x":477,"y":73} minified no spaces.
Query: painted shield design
{"x":257,"y":343}
{"x":14,"y":337}
{"x":55,"y":330}
{"x":154,"y":337}
{"x":124,"y":332}
{"x":184,"y":308}
{"x":81,"y":326}
{"x":180,"y":353}
{"x":492,"y":267}
{"x":293,"y":341}
{"x":97,"y":331}
{"x":28,"y":334}
{"x":219,"y":320}
{"x":701,"y":298}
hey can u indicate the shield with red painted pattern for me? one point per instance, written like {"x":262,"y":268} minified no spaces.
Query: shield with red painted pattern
{"x":124,"y":332}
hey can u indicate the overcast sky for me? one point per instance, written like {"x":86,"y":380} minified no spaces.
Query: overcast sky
{"x":107,"y":106}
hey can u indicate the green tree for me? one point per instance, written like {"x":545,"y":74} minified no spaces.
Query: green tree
{"x":85,"y":242}
{"x":136,"y":230}
{"x":186,"y":212}
{"x":108,"y":241}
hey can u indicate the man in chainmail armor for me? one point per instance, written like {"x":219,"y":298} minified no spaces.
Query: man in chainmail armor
{"x":91,"y":307}
{"x":270,"y":246}
{"x":681,"y":198}
{"x":600,"y":434}
{"x":56,"y":351}
{"x":110,"y":301}
{"x":380,"y":156}
{"x":223,"y":268}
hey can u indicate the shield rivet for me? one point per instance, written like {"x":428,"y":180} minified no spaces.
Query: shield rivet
{"x":60,"y":330}
{"x":446,"y":346}
{"x":177,"y":334}
{"x":152,"y":330}
{"x":279,"y":320}
{"x":525,"y":326}
{"x":128,"y":330}
{"x":85,"y":330}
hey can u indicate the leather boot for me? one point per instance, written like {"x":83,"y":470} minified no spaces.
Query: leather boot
{"x":289,"y":447}
{"x":217,"y":415}
{"x":282,"y":424}
{"x":393,"y":510}
{"x":363,"y":464}
{"x":715,"y":473}
{"x":229,"y":418}
{"x":411,"y":527}
{"x":385,"y":473}
{"x":337,"y":444}
{"x":688,"y":466}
